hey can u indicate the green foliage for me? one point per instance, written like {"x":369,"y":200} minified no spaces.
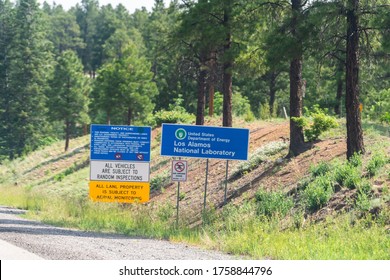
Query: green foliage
{"x":175,"y":114}
{"x":240,"y":106}
{"x":376,"y":162}
{"x":377,"y":104}
{"x":272,"y":204}
{"x":347,"y":175}
{"x":320,"y":169}
{"x":163,"y":116}
{"x":386,"y":118}
{"x":68,"y":95}
{"x":125,"y":87}
{"x":158,"y":181}
{"x":318,"y":192}
{"x":316,"y":122}
{"x":362,"y":202}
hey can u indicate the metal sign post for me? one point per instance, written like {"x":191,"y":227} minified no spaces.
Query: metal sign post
{"x":177,"y":204}
{"x":205,"y":186}
{"x":226,"y":182}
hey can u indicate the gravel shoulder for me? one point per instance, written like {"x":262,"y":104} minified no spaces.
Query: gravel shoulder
{"x":55,"y":243}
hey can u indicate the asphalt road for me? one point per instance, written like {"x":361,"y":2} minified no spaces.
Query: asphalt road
{"x":22,"y":239}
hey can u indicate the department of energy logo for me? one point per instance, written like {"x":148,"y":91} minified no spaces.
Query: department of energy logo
{"x":180,"y":134}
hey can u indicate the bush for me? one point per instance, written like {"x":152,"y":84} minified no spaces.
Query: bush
{"x":176,"y":113}
{"x":316,"y":123}
{"x":347,"y":175}
{"x":158,"y":181}
{"x":318,"y":193}
{"x":320,"y":169}
{"x":175,"y":116}
{"x":386,"y":118}
{"x":273,"y":203}
{"x":376,"y":162}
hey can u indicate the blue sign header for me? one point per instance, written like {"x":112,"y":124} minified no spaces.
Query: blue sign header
{"x":204,"y":142}
{"x":119,"y":142}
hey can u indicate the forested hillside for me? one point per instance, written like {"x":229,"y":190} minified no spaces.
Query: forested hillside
{"x":62,"y":70}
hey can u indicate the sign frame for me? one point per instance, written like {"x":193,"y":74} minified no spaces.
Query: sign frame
{"x":120,"y":142}
{"x":211,"y":142}
{"x":179,"y":174}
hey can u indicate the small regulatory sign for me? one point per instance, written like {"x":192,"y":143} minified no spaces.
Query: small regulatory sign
{"x":179,"y":170}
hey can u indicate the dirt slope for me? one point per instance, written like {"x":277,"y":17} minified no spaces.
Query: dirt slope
{"x":276,"y":173}
{"x":52,"y":169}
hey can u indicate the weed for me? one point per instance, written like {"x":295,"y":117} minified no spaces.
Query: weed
{"x":159,"y":181}
{"x":320,"y":169}
{"x":362,"y":202}
{"x":318,"y":193}
{"x":347,"y":175}
{"x":376,"y":162}
{"x":273,"y":203}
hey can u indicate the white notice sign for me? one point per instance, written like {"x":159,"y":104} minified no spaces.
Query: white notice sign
{"x":119,"y":171}
{"x":179,"y":170}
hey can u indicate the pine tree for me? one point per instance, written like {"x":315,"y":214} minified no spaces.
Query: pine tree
{"x":29,"y":65}
{"x":68,"y":96}
{"x":124,"y":85}
{"x":7,"y":30}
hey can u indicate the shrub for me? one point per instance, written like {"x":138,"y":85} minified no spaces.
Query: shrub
{"x":320,"y":169}
{"x":347,"y":175}
{"x":273,"y":203}
{"x":159,"y":181}
{"x":318,"y":193}
{"x":362,"y":202}
{"x":315,"y":123}
{"x":375,"y":163}
{"x":174,"y":116}
{"x":176,"y":113}
{"x":385,"y":118}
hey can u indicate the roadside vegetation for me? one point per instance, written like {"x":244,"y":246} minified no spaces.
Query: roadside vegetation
{"x":339,"y":210}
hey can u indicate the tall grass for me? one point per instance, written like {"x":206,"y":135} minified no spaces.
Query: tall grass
{"x":270,"y":226}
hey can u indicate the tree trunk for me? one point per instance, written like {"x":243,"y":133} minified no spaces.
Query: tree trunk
{"x":211,"y":81}
{"x":67,"y":134}
{"x":211,"y":99}
{"x":201,"y":92}
{"x":296,"y":104}
{"x":296,"y":93}
{"x":354,"y":127}
{"x":227,"y":71}
{"x":272,"y":92}
{"x":108,"y":118}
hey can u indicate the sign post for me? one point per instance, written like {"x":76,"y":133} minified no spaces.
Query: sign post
{"x":119,"y":163}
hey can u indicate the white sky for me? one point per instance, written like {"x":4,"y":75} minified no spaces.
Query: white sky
{"x":130,"y":5}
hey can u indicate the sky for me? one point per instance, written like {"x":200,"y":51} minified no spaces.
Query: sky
{"x":130,"y":5}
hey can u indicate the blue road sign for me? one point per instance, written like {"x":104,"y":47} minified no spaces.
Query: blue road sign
{"x":204,"y":142}
{"x":119,"y":142}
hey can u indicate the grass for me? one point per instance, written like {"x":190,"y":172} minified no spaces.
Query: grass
{"x":53,"y":185}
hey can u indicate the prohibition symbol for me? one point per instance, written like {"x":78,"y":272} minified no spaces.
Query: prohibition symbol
{"x":179,"y":170}
{"x":180,"y":166}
